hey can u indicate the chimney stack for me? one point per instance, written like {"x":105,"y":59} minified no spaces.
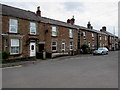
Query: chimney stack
{"x":89,"y":25}
{"x":71,"y":21}
{"x":38,"y":12}
{"x":103,"y":29}
{"x":68,"y":21}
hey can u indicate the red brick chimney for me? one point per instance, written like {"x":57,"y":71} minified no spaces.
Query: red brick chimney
{"x":38,"y":12}
{"x":68,"y":21}
{"x":72,"y":20}
{"x":103,"y":29}
{"x":89,"y":25}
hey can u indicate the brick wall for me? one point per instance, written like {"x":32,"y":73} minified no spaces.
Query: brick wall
{"x":93,"y":42}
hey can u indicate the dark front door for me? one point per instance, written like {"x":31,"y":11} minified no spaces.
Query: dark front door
{"x":41,"y":47}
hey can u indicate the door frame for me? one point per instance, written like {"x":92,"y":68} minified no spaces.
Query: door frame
{"x":32,"y":43}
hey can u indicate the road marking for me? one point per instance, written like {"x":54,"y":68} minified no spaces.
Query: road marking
{"x":12,"y":67}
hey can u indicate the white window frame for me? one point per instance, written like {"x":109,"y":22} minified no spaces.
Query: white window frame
{"x":54,"y":31}
{"x":100,"y":37}
{"x":105,"y":37}
{"x":71,"y":45}
{"x":84,"y":35}
{"x":54,"y":45}
{"x":11,"y":25}
{"x":16,"y":47}
{"x":93,"y":36}
{"x":70,"y":33}
{"x":63,"y":49}
{"x":33,"y":26}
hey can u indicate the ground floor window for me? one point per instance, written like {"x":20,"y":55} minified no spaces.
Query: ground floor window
{"x":54,"y":46}
{"x":15,"y":46}
{"x":71,"y":45}
{"x":5,"y":44}
{"x":63,"y":45}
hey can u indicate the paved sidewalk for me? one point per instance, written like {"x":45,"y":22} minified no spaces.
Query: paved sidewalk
{"x":40,"y":60}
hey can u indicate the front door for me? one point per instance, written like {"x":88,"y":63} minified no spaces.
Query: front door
{"x":32,"y":49}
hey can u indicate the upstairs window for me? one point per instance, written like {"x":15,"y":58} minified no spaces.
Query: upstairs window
{"x":70,"y":33}
{"x":13,"y":26}
{"x":32,"y":28}
{"x":54,"y":31}
{"x":15,"y":46}
{"x":84,"y":35}
{"x":92,"y":36}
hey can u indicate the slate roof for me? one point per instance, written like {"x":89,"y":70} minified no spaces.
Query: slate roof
{"x":110,"y":34}
{"x":91,"y":30}
{"x":19,"y":13}
{"x":24,"y":14}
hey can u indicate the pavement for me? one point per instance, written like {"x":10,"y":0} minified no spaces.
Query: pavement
{"x":84,"y":71}
{"x":9,"y":65}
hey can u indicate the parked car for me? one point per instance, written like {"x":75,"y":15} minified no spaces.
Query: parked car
{"x":101,"y":51}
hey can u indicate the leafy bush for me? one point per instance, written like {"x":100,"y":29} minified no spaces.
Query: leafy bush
{"x":86,"y":49}
{"x":4,"y":54}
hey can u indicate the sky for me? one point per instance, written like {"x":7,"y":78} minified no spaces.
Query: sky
{"x":98,"y":12}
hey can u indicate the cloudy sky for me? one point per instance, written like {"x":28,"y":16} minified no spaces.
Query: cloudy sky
{"x":98,"y":12}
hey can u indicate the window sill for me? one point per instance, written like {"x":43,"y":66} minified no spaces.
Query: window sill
{"x":15,"y":54}
{"x":33,"y":34}
{"x":12,"y":33}
{"x":54,"y":36}
{"x":54,"y":51}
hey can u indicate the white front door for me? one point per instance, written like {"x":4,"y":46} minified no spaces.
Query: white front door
{"x":32,"y":49}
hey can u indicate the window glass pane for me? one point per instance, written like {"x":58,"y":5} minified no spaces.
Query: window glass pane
{"x":70,"y":33}
{"x":53,"y":48}
{"x":71,"y":45}
{"x":53,"y":28}
{"x":32,"y":47}
{"x":13,"y":29}
{"x":54,"y":43}
{"x":32,"y":28}
{"x":54,"y":31}
{"x":13,"y":22}
{"x":14,"y":42}
{"x":13,"y":25}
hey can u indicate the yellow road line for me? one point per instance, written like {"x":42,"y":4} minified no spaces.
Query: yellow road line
{"x":12,"y":67}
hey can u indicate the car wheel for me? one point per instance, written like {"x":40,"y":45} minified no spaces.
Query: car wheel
{"x":102,"y":53}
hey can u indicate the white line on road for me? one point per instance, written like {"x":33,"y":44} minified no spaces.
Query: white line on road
{"x":12,"y":67}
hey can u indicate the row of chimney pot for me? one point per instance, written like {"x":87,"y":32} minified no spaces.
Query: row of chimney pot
{"x":71,"y":21}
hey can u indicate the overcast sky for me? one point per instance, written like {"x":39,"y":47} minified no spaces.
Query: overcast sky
{"x":98,"y":12}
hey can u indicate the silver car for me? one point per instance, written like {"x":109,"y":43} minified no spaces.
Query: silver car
{"x":101,"y":51}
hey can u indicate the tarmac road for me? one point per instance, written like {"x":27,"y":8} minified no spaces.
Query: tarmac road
{"x":84,"y":71}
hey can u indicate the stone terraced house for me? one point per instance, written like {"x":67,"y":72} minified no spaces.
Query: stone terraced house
{"x":28,"y":34}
